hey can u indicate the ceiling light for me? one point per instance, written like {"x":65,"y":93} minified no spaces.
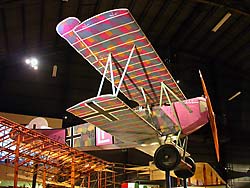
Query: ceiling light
{"x":27,"y":61}
{"x":33,"y":62}
{"x":221,"y":22}
{"x":235,"y":95}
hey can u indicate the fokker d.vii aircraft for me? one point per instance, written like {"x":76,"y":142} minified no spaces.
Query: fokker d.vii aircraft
{"x":114,"y":44}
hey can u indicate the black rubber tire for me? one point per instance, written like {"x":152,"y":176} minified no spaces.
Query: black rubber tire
{"x":167,"y":157}
{"x":186,"y":173}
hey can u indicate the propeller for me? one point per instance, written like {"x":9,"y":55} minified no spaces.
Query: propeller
{"x":211,"y":118}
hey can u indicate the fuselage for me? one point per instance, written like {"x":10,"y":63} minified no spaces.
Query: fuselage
{"x":189,"y":120}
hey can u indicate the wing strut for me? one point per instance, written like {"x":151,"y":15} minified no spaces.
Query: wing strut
{"x":146,"y":101}
{"x":108,"y":64}
{"x":166,"y":89}
{"x":163,"y":88}
{"x":125,"y":70}
{"x":115,"y":91}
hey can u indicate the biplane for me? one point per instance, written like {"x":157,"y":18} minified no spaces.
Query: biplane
{"x":114,"y":44}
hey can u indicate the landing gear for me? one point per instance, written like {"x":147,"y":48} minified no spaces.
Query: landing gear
{"x":186,"y":173}
{"x":167,"y":157}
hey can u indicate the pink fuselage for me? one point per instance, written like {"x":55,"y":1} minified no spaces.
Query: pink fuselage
{"x":189,"y":121}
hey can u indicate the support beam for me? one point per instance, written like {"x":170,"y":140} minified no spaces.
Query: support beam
{"x":72,"y":177}
{"x":100,"y":179}
{"x":185,"y":25}
{"x":44,"y":176}
{"x":131,"y":5}
{"x":89,"y":180}
{"x":59,"y":18}
{"x":115,"y":4}
{"x":195,"y":28}
{"x":79,"y":8}
{"x":113,"y":176}
{"x":23,"y":27}
{"x":41,"y":23}
{"x":105,"y":179}
{"x":223,"y":5}
{"x":5,"y":30}
{"x":168,"y":179}
{"x":170,"y":22}
{"x":219,"y":35}
{"x":178,"y":182}
{"x":204,"y":36}
{"x":211,"y":177}
{"x":205,"y":174}
{"x":16,"y":160}
{"x":157,"y":17}
{"x":184,"y":183}
{"x":34,"y":175}
{"x":97,"y":5}
{"x":145,"y":11}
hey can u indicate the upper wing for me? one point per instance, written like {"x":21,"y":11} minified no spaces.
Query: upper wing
{"x":116,"y":32}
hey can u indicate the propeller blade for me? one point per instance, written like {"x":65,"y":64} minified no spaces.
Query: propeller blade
{"x":211,"y":117}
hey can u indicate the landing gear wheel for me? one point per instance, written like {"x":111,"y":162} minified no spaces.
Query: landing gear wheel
{"x":186,"y":173}
{"x":167,"y":157}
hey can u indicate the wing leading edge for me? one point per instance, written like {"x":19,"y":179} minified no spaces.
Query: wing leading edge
{"x":115,"y":32}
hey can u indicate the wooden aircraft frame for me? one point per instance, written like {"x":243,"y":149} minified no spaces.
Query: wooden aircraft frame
{"x":25,"y":148}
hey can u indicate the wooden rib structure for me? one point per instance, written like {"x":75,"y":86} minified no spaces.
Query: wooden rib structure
{"x":24,"y":148}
